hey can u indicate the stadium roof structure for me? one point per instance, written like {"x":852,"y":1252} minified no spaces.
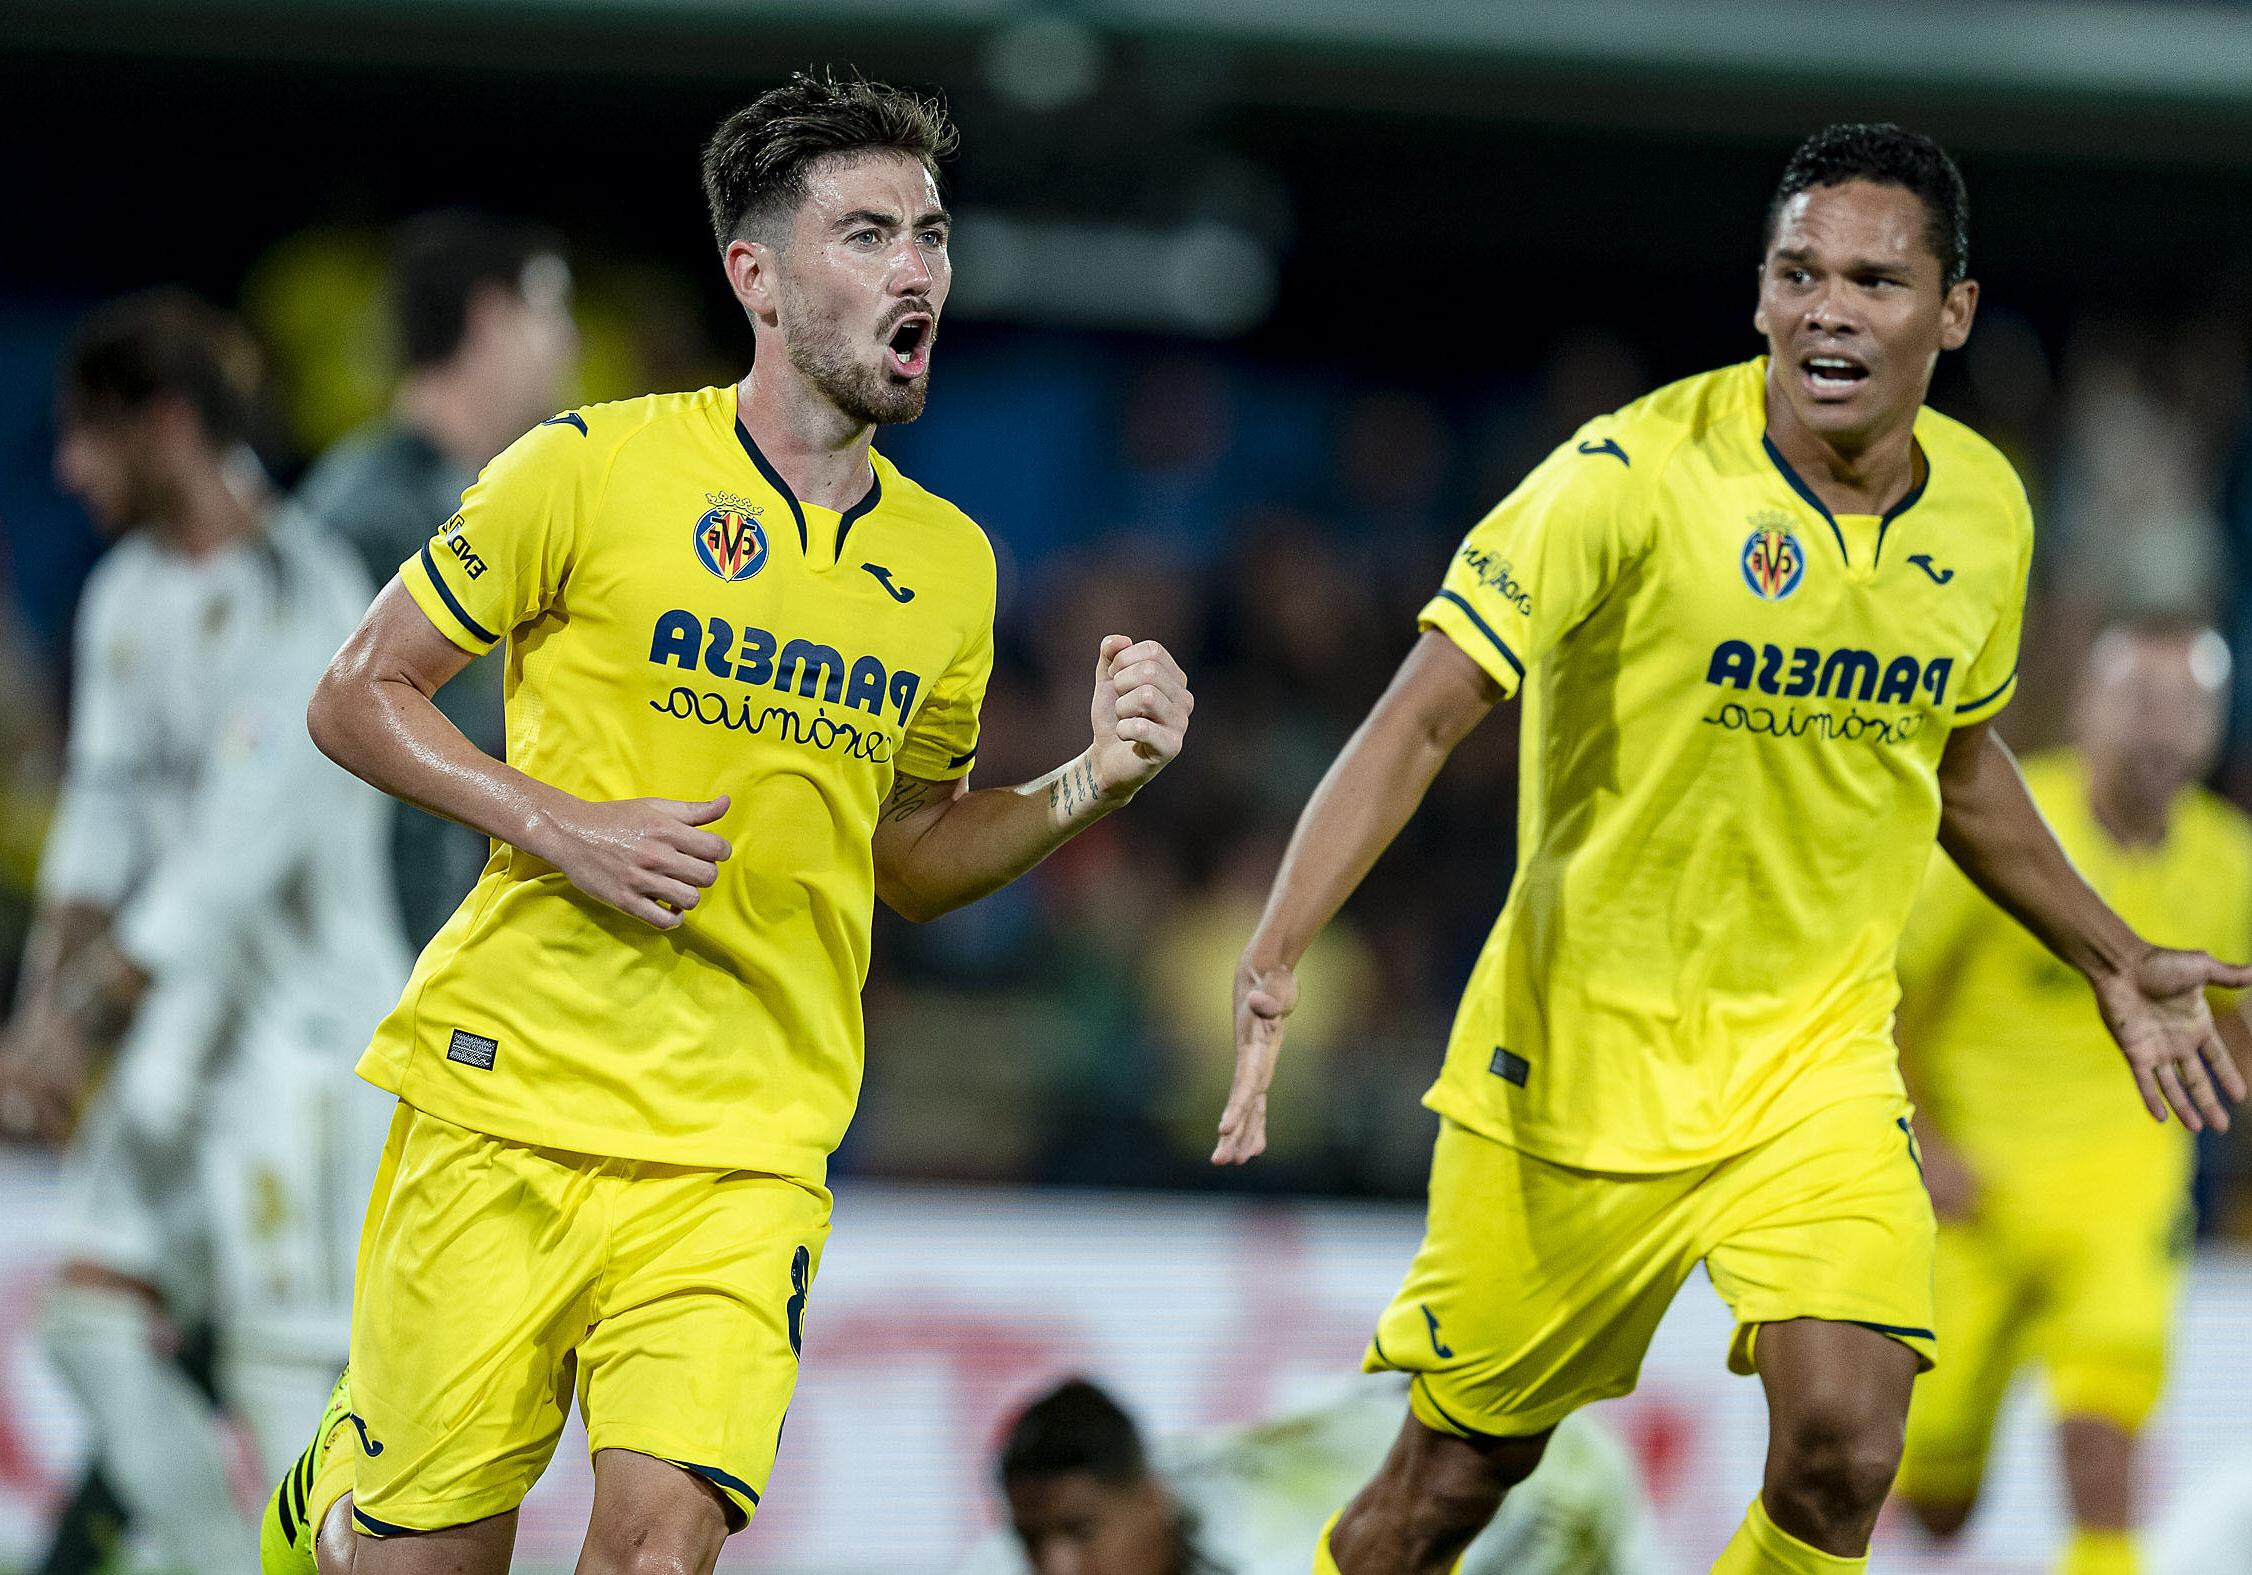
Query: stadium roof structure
{"x":1444,"y":55}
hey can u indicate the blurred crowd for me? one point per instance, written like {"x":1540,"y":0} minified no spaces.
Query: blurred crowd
{"x":1277,"y":524}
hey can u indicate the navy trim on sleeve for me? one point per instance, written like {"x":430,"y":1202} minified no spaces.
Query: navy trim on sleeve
{"x":1989,"y":698}
{"x":962,"y":759}
{"x":453,"y":602}
{"x":1485,"y":629}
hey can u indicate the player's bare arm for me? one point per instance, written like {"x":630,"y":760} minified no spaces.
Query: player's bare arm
{"x":2152,"y":997}
{"x":78,"y":996}
{"x":372,"y":714}
{"x":938,"y":845}
{"x":1368,"y":795}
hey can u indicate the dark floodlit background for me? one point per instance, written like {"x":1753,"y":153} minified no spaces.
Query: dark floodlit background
{"x":1258,"y":305}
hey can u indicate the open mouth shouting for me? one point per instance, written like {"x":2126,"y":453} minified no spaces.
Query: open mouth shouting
{"x":907,"y":346}
{"x":1831,"y":375}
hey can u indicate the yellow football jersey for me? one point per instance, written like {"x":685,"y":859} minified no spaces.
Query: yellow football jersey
{"x":1735,"y":705}
{"x":680,"y":626}
{"x":2016,"y":1065}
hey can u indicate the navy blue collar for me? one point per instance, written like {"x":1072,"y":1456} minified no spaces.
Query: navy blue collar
{"x":1884,"y":521}
{"x":845,"y":521}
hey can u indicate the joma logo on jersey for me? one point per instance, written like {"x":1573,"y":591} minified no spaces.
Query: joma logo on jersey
{"x":1844,"y":674}
{"x":1773,"y":562}
{"x":752,"y":655}
{"x":731,"y":543}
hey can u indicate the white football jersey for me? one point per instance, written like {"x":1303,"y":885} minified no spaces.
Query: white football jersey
{"x":245,"y":870}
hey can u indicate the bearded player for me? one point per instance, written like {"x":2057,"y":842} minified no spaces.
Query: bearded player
{"x":745,"y":660}
{"x":1762,"y":620}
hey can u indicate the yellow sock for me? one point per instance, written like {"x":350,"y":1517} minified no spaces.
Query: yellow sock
{"x":1760,"y":1547}
{"x":2100,"y":1553}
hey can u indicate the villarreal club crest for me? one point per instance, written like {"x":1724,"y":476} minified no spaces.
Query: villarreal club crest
{"x":1773,"y":560}
{"x":730,"y":542}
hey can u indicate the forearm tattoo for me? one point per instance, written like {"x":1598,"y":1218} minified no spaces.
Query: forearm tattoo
{"x":1073,"y":790}
{"x":908,"y":798}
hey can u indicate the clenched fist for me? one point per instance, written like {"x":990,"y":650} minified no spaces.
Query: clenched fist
{"x":1140,"y":714}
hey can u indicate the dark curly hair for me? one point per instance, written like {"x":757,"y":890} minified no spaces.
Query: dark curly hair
{"x":1890,"y":156}
{"x":1074,"y":1427}
{"x":163,"y":344}
{"x":755,"y":165}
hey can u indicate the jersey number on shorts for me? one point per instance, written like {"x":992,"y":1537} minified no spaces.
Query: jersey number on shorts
{"x":800,"y":1266}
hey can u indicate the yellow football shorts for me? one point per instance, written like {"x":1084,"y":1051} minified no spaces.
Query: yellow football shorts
{"x":2075,"y":1264}
{"x":1538,"y":1286}
{"x":494,"y":1276}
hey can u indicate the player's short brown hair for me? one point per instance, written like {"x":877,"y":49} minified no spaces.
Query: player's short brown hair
{"x":161,"y":344}
{"x":756,"y":163}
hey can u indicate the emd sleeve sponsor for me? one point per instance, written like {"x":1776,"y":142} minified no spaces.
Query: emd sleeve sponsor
{"x":502,"y":558}
{"x":1992,"y":679}
{"x":1534,"y":567}
{"x":941,"y":741}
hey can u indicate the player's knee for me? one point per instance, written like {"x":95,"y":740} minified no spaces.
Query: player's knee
{"x":1453,"y":1507}
{"x":1432,"y":1497}
{"x":653,"y":1560}
{"x":653,"y":1542}
{"x":1834,"y":1463}
{"x":1413,"y":1525}
{"x":619,"y":1553}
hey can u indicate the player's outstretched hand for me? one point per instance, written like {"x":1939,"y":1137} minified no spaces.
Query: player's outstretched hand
{"x":1265,"y":994}
{"x":2156,"y":1010}
{"x":44,"y":1067}
{"x":647,"y":857}
{"x":1140,"y":713}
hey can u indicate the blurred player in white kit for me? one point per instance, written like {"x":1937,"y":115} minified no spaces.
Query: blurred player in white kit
{"x":217,"y":933}
{"x":1085,"y":1498}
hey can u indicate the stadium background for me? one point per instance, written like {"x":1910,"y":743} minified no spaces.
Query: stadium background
{"x":1257,"y":307}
